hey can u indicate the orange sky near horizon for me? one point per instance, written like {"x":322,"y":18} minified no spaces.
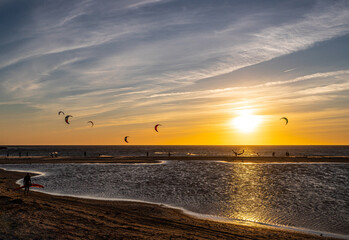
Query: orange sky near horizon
{"x":270,"y":131}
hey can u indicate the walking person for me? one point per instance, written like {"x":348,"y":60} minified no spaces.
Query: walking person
{"x":27,"y":182}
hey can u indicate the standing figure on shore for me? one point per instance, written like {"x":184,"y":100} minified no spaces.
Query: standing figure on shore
{"x":27,"y":182}
{"x":273,"y":154}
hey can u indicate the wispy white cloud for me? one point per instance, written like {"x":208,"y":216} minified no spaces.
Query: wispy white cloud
{"x":309,"y":77}
{"x":258,"y":86}
{"x":142,"y":3}
{"x":339,"y":87}
{"x":289,"y":70}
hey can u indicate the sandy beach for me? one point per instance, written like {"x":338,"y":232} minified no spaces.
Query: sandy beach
{"x":43,"y":216}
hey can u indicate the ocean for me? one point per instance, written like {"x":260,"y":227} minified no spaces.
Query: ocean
{"x":163,"y":150}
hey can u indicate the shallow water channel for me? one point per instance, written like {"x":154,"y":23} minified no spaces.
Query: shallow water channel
{"x":311,"y":196}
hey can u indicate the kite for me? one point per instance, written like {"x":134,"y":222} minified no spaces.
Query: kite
{"x":126,"y":139}
{"x":156,"y":127}
{"x":285,"y":120}
{"x":31,"y":185}
{"x":67,"y":118}
{"x":92,"y":124}
{"x":59,"y":113}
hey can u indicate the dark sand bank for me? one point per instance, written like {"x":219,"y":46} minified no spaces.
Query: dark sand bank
{"x":43,"y":216}
{"x":157,"y":159}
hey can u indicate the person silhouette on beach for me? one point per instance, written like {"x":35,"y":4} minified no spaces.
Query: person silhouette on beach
{"x":27,"y":182}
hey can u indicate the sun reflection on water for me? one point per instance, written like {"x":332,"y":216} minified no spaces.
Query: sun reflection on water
{"x":248,"y":198}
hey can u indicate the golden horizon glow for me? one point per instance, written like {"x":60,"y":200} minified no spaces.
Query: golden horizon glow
{"x":214,"y":129}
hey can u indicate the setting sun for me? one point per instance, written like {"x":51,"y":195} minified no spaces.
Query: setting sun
{"x":246,"y":123}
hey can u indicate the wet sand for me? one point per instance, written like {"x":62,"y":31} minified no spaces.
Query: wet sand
{"x":43,"y":216}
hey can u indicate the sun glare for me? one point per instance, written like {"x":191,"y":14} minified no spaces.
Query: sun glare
{"x":246,"y":123}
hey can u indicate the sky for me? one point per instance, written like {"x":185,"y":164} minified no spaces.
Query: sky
{"x":194,"y":67}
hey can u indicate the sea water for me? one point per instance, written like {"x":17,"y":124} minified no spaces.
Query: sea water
{"x":163,"y":150}
{"x":314,"y":196}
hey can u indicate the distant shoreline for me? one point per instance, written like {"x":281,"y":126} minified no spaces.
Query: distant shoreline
{"x":157,"y":159}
